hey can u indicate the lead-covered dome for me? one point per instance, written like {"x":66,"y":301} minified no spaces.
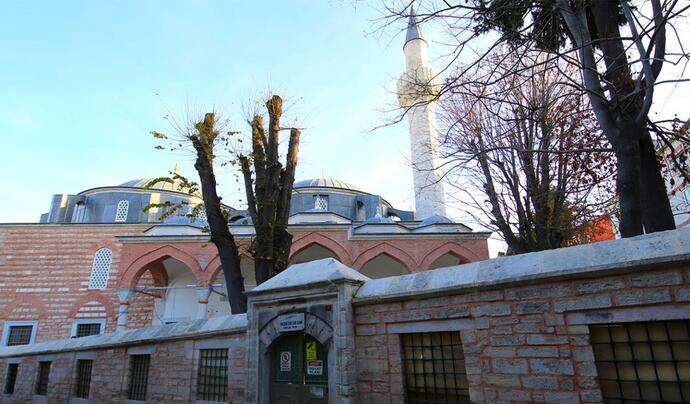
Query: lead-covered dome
{"x":324,"y":183}
{"x":160,"y":185}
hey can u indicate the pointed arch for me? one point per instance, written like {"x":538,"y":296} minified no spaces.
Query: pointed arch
{"x":384,"y":248}
{"x":134,"y":271}
{"x":319,"y":239}
{"x":212,"y":270}
{"x":448,"y":247}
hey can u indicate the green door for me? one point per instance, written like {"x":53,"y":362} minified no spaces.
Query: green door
{"x":299,"y":370}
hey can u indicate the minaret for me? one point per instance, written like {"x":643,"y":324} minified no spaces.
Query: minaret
{"x":416,"y":90}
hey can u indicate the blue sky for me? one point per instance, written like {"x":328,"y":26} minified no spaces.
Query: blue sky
{"x":83,"y":83}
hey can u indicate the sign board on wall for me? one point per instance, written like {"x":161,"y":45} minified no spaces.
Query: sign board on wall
{"x":291,"y":322}
{"x":315,"y":368}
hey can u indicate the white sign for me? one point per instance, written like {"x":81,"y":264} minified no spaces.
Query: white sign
{"x":285,"y":361}
{"x":291,"y":322}
{"x":315,"y":368}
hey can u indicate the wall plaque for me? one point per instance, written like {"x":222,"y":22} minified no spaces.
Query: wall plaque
{"x":291,"y":322}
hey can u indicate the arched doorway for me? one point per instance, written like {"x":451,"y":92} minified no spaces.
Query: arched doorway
{"x":299,"y":369}
{"x":218,"y":299}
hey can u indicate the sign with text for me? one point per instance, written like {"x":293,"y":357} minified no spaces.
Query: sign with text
{"x":291,"y":322}
{"x":315,"y":368}
{"x":285,"y":361}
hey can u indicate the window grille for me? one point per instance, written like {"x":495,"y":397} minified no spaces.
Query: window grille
{"x":121,"y":212}
{"x":42,"y":378}
{"x":82,"y":384}
{"x":86,"y":329}
{"x":643,"y":362}
{"x":212,"y":380}
{"x":434,"y":368}
{"x":321,"y":202}
{"x":20,"y":335}
{"x":138,"y":376}
{"x":100,"y":269}
{"x":11,"y":378}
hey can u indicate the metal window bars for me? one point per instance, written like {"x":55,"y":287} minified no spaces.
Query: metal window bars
{"x":212,"y":379}
{"x":19,"y":335}
{"x":82,"y":384}
{"x":42,"y":378}
{"x":11,"y":378}
{"x":434,"y":368}
{"x":138,"y":377}
{"x":86,"y":329}
{"x":643,"y":362}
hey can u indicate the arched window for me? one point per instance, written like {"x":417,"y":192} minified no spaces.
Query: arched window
{"x":100,"y":269}
{"x":122,"y":209}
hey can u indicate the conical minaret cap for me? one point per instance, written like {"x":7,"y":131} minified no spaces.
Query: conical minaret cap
{"x":413,"y":30}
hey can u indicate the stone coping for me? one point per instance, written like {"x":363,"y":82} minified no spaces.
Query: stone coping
{"x":323,"y":271}
{"x":147,"y":335}
{"x":597,"y":259}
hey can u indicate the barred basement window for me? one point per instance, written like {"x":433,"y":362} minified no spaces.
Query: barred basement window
{"x":82,"y":384}
{"x":86,"y":329}
{"x":11,"y":377}
{"x":138,"y":376}
{"x":20,"y":335}
{"x":212,"y":380}
{"x":321,"y":202}
{"x":434,"y":368}
{"x":643,"y":362}
{"x":42,"y":378}
{"x":100,"y":269}
{"x":121,"y":212}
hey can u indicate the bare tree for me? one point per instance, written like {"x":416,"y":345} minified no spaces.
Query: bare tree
{"x":268,"y":197}
{"x":618,"y":47}
{"x":268,"y":185}
{"x":526,"y":153}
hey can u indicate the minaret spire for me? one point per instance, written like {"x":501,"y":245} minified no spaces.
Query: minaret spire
{"x":418,"y":88}
{"x":413,"y":29}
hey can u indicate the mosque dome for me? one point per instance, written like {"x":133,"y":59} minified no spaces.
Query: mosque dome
{"x":324,"y":183}
{"x":161,"y":185}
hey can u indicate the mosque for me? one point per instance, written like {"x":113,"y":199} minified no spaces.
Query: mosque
{"x":97,"y":262}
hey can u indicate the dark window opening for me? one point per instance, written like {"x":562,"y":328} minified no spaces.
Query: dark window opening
{"x":138,"y":377}
{"x":212,"y":379}
{"x":643,"y":362}
{"x":86,"y":329}
{"x":434,"y":368}
{"x":20,"y":335}
{"x":11,"y":378}
{"x":82,"y":384}
{"x":42,"y":378}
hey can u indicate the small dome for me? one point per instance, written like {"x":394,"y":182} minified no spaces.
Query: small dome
{"x":325,"y":183}
{"x":435,"y":219}
{"x":378,"y":219}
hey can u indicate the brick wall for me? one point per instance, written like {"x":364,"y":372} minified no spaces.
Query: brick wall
{"x":45,"y":269}
{"x":521,"y":344}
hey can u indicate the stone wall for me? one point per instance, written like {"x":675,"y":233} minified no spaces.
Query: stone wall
{"x":524,"y":340}
{"x":172,"y":377}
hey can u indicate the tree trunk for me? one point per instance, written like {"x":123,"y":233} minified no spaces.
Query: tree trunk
{"x":220,"y":234}
{"x":656,"y":207}
{"x":628,"y":183}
